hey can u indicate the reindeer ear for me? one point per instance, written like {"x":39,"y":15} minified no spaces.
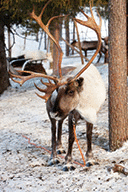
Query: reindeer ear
{"x":80,"y":81}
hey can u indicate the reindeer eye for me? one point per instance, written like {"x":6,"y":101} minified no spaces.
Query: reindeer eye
{"x":71,"y":92}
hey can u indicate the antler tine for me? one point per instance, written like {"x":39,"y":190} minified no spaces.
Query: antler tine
{"x":47,"y":95}
{"x":41,"y":90}
{"x":84,"y":13}
{"x":44,"y":8}
{"x":43,"y":97}
{"x":91,"y":23}
{"x":100,"y":20}
{"x":91,"y":5}
{"x":55,"y":17}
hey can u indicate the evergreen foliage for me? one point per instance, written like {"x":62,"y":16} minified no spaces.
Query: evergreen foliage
{"x":17,"y":11}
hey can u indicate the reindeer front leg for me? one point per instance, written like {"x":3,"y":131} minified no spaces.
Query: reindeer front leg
{"x":68,"y":158}
{"x":53,"y":158}
{"x":60,"y":149}
{"x":71,"y":139}
{"x":73,"y":116}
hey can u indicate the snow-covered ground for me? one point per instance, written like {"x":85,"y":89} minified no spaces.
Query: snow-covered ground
{"x":24,"y":167}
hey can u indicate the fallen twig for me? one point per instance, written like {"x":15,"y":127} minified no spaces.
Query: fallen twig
{"x":120,"y":169}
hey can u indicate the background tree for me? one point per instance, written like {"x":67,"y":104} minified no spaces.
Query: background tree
{"x":4,"y":79}
{"x":117,"y":74}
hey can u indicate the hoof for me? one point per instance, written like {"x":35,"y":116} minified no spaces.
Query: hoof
{"x":53,"y":162}
{"x":91,"y":163}
{"x":65,"y":168}
{"x":60,"y":151}
{"x":69,"y":167}
{"x":72,"y":168}
{"x":89,"y":155}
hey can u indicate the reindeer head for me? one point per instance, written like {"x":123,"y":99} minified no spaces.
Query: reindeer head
{"x":68,"y":90}
{"x":66,"y":99}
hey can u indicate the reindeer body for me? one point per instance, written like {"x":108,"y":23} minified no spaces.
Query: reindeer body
{"x":92,"y":96}
{"x":89,"y":45}
{"x":80,"y":99}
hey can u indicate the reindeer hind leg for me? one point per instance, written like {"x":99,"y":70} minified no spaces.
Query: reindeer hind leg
{"x":89,"y":156}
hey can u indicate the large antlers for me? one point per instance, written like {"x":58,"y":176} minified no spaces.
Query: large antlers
{"x":50,"y":87}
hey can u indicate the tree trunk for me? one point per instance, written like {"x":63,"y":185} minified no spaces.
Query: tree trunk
{"x":51,"y":50}
{"x":4,"y":79}
{"x":117,"y":74}
{"x":56,"y":35}
{"x":9,"y":43}
{"x":45,"y":41}
{"x":67,"y":36}
{"x":73,"y":36}
{"x":127,"y":38}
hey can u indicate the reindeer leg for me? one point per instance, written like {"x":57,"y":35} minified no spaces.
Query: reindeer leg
{"x":60,"y":149}
{"x":68,"y":158}
{"x":85,"y":52}
{"x":99,"y":56}
{"x":89,"y":139}
{"x":89,"y":160}
{"x":53,"y":158}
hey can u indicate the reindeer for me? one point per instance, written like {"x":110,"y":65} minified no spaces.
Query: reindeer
{"x":91,"y":45}
{"x":78,"y":96}
{"x":105,"y":39}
